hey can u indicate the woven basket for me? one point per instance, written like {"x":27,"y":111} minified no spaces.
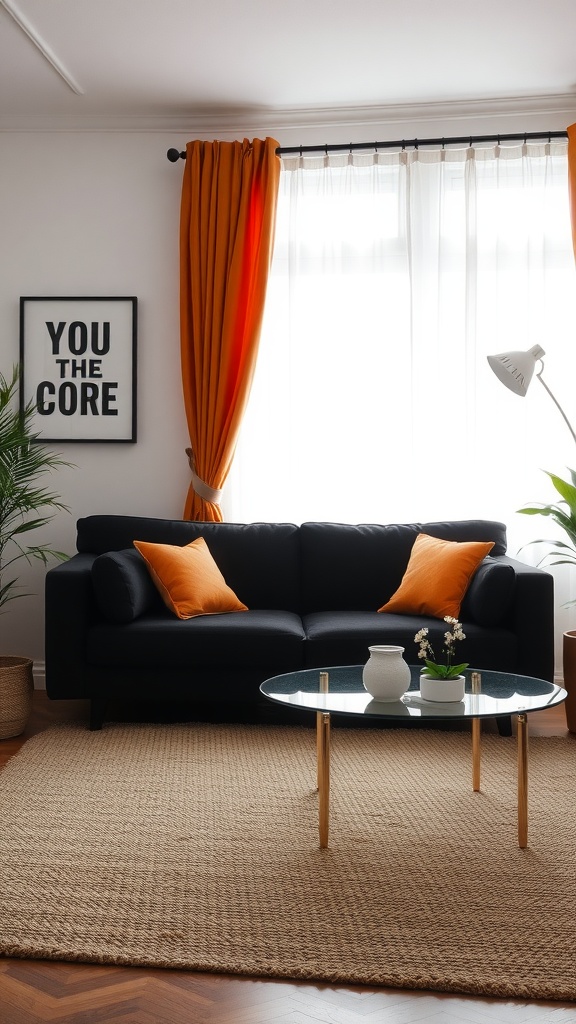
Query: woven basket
{"x":16,"y":686}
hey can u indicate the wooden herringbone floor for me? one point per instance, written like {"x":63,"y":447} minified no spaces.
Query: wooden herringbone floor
{"x":33,"y":991}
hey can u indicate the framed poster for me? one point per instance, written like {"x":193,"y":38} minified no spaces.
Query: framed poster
{"x":78,"y":367}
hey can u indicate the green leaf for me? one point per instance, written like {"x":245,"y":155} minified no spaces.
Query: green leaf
{"x":537,"y":510}
{"x":564,"y":515}
{"x":31,"y":524}
{"x":565,"y":489}
{"x":25,"y":505}
{"x":457,"y":670}
{"x":437,"y":671}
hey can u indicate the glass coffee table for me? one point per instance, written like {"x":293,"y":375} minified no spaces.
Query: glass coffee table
{"x":339,"y":690}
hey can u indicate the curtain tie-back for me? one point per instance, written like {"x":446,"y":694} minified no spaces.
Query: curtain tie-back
{"x":203,"y":490}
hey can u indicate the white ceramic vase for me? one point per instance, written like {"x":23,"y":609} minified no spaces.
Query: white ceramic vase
{"x":386,"y":676}
{"x":442,"y":690}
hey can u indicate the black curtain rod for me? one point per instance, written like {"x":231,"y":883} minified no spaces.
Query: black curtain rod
{"x":174,"y":154}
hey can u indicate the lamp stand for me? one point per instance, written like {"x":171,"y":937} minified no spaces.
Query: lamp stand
{"x":556,"y":403}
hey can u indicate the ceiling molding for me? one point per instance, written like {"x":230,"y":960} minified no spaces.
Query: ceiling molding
{"x":250,"y":121}
{"x":11,"y":8}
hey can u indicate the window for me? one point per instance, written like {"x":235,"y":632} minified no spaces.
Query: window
{"x":394,"y":276}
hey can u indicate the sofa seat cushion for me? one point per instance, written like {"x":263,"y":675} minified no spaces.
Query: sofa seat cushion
{"x":343,"y":638}
{"x":256,"y":638}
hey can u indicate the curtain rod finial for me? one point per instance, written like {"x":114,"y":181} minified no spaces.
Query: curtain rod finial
{"x":174,"y":155}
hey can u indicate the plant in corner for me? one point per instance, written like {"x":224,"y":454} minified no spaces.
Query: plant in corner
{"x":564,"y":515}
{"x":25,"y":506}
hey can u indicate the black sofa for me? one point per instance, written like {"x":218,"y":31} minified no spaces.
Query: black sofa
{"x":312,"y":592}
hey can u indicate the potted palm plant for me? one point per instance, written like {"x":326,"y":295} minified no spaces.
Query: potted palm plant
{"x":25,"y":506}
{"x":563,"y":513}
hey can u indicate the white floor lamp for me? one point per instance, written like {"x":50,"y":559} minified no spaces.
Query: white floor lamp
{"x":516,"y":369}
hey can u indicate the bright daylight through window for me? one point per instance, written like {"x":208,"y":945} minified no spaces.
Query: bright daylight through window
{"x":394,"y":276}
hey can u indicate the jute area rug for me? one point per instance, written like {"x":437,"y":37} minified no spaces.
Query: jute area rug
{"x":196,"y":846}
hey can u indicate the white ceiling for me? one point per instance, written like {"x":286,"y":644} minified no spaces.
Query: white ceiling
{"x":83,"y":60}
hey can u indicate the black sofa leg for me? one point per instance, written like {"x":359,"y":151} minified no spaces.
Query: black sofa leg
{"x":97,"y":709}
{"x":504,"y":725}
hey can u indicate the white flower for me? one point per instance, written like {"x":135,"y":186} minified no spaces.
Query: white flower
{"x":426,"y":652}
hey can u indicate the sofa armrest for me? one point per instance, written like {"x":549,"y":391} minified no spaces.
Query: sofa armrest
{"x":70,"y":608}
{"x":531,"y":617}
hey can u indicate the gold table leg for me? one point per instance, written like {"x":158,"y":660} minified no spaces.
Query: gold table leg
{"x":323,"y":750}
{"x":476,"y":732}
{"x":318,"y":748}
{"x":522,"y":737}
{"x":476,"y":681}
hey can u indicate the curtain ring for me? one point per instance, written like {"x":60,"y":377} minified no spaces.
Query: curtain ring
{"x":403,"y":145}
{"x":442,"y":143}
{"x":416,"y":144}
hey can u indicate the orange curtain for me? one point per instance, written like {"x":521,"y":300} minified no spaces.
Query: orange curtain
{"x":572,"y":179}
{"x":227,"y":220}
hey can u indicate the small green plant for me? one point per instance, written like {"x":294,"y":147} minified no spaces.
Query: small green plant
{"x":564,"y":515}
{"x":434,"y":668}
{"x":25,"y":506}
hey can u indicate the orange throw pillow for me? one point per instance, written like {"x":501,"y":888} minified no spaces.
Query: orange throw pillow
{"x":437,"y":576}
{"x":188,"y":579}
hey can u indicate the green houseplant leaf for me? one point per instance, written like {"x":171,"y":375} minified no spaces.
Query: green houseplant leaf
{"x":444,"y":671}
{"x":563,"y":514}
{"x":25,"y":505}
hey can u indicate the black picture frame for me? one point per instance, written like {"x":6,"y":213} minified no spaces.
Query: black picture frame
{"x":78,"y":367}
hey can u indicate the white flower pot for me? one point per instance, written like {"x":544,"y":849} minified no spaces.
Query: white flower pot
{"x":386,"y":676}
{"x":442,"y":690}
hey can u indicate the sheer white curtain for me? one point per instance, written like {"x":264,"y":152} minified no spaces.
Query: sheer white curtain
{"x":394,"y":276}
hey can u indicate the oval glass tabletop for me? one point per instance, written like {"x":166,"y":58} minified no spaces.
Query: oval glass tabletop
{"x":501,"y":693}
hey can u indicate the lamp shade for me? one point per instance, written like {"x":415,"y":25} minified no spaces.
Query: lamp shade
{"x":515,"y":369}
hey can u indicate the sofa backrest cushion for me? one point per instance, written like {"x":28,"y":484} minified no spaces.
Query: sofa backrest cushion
{"x":259,"y":561}
{"x":122,"y":585}
{"x":359,"y":567}
{"x":352,"y":567}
